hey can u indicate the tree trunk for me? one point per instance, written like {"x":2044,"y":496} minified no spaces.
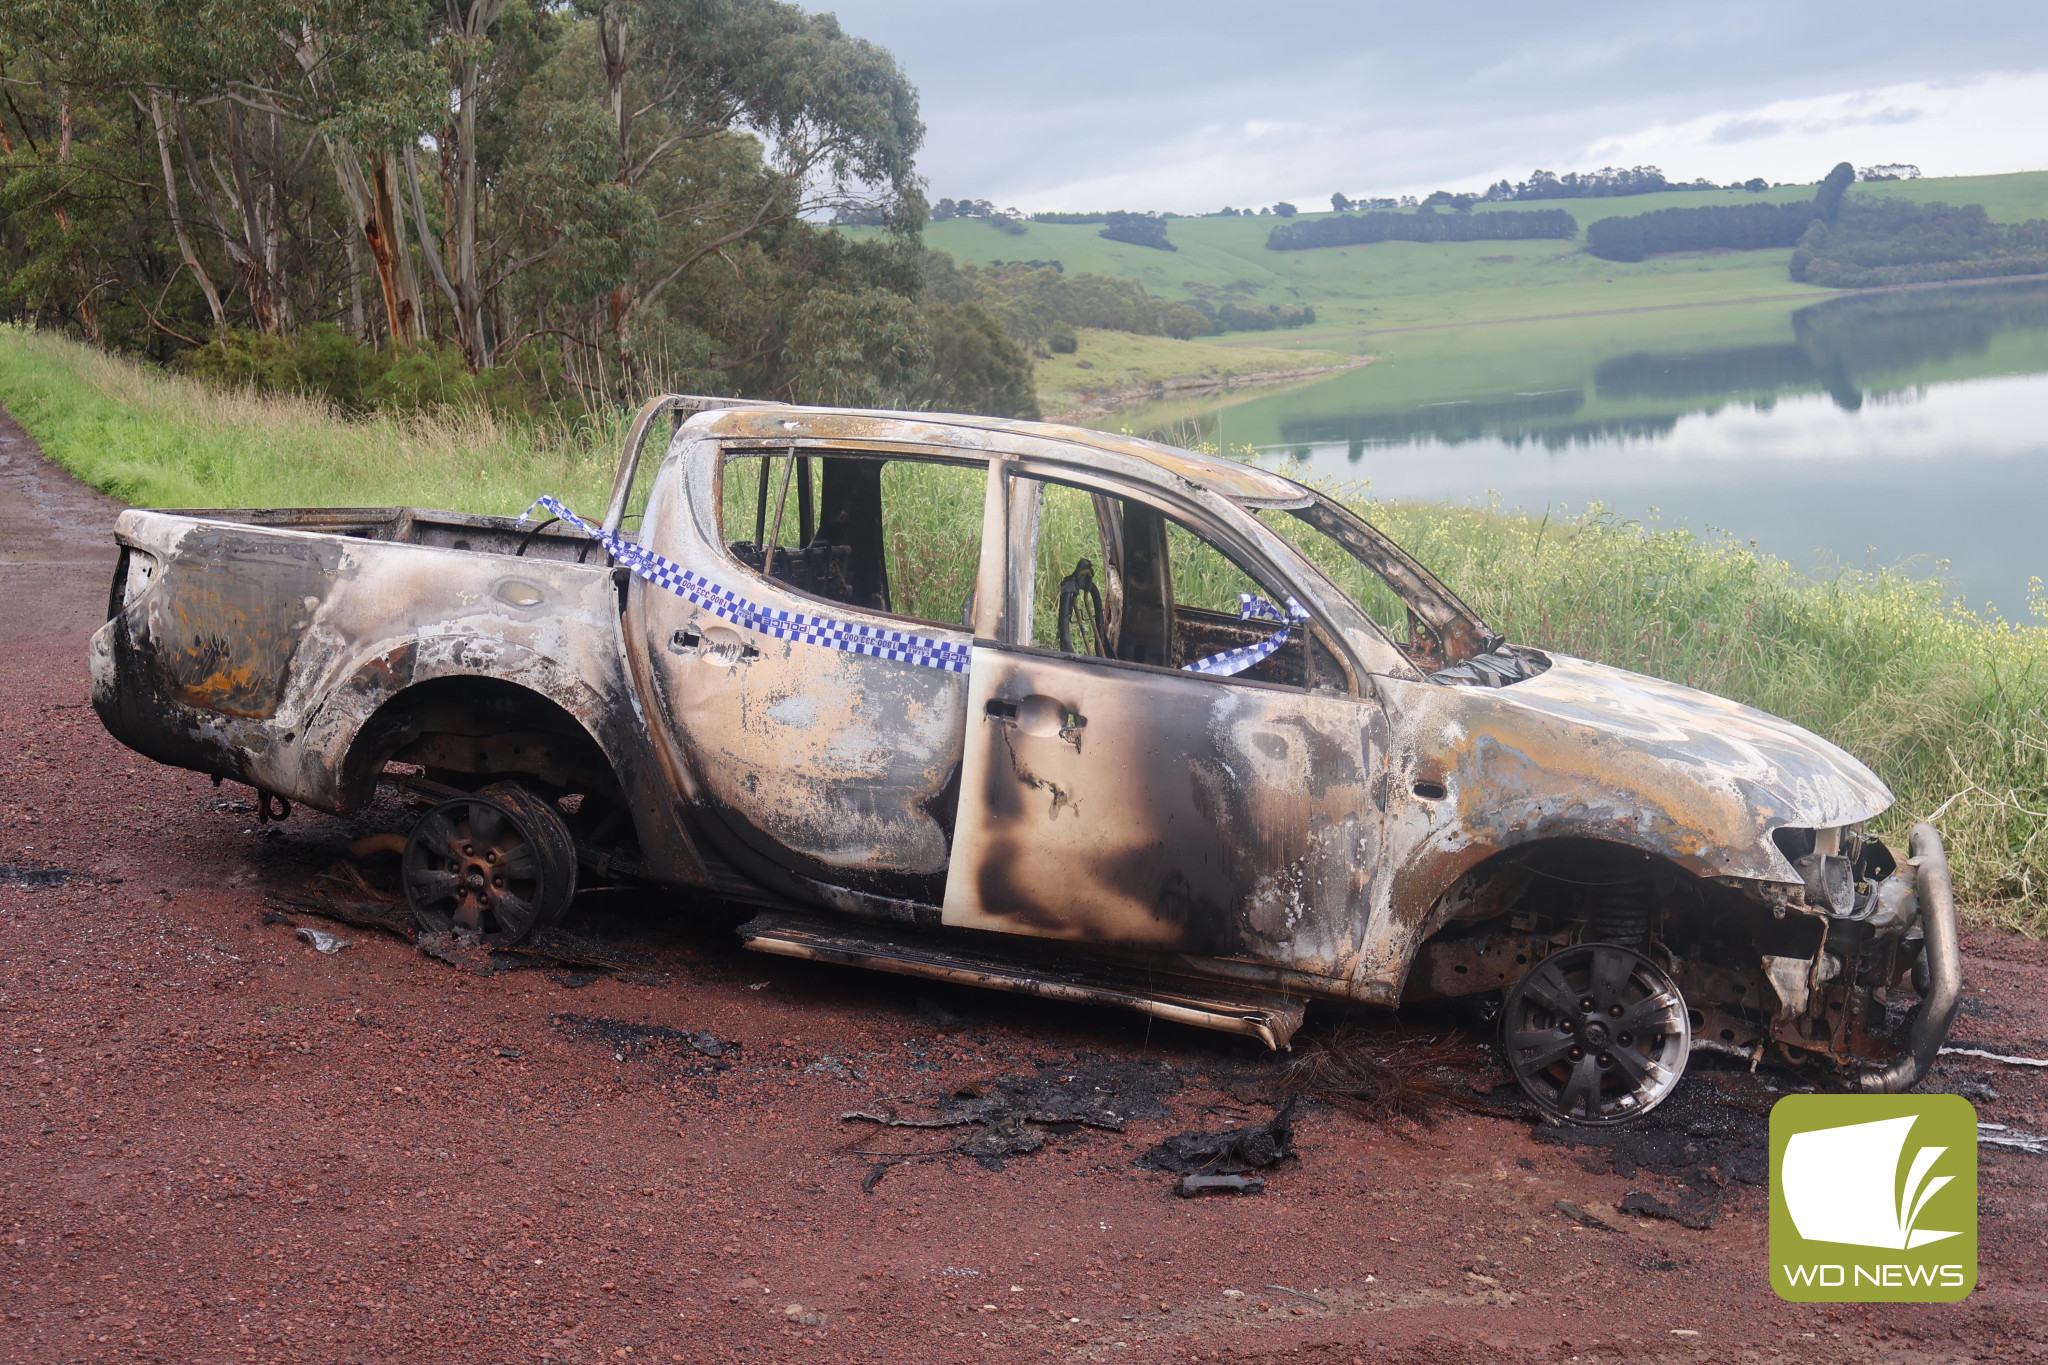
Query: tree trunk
{"x":372,"y":204}
{"x":452,"y":254}
{"x":252,"y":257}
{"x":191,"y":257}
{"x":385,"y":230}
{"x":88,"y":315}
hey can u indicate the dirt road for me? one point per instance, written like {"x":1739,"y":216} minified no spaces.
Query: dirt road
{"x":223,"y":1146}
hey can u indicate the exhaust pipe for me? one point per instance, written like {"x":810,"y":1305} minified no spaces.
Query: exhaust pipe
{"x":1944,"y":968}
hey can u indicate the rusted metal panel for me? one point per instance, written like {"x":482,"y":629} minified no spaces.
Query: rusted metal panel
{"x":840,"y":767}
{"x":358,"y":623}
{"x":1112,"y":804}
{"x":1269,"y":1016}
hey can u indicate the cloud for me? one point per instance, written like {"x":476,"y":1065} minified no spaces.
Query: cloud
{"x":1994,"y":123}
{"x":1748,"y":129}
{"x":1093,"y":104}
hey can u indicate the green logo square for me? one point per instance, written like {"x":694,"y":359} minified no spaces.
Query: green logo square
{"x":1873,"y":1198}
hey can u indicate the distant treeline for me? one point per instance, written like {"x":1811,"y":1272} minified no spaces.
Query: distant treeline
{"x":1139,"y":229}
{"x":1737,"y":227}
{"x":1233,"y":317}
{"x":1607,"y":182}
{"x":1741,"y":227}
{"x":1041,"y":306}
{"x":1890,"y":242}
{"x":1424,"y":225}
{"x":1844,"y":245}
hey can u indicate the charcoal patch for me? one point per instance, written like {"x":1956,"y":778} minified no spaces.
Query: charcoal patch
{"x":1694,"y":1212}
{"x":1015,"y":1115}
{"x":1709,"y":1140}
{"x":22,"y":874}
{"x":649,"y":1040}
{"x":1227,"y":1151}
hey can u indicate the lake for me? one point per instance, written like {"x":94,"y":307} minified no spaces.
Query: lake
{"x":1906,"y":428}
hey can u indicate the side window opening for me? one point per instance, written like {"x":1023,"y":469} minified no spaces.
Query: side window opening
{"x":1115,"y":578}
{"x":896,"y":536}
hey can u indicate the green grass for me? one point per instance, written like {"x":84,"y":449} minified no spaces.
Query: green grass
{"x":161,"y":440}
{"x":1108,"y":363}
{"x":1361,"y":291}
{"x":1951,"y":709}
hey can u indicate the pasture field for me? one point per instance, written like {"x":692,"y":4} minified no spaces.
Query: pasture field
{"x":1358,"y":291}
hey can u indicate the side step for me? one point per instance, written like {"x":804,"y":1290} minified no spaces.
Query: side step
{"x":1267,"y":1016}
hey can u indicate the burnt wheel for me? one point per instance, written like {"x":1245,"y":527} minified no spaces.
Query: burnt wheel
{"x":1596,"y":1034}
{"x":499,"y":863}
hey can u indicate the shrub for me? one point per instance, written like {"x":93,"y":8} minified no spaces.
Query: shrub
{"x":1139,"y":229}
{"x":1740,"y":227}
{"x":1893,"y":242}
{"x":1422,"y":226}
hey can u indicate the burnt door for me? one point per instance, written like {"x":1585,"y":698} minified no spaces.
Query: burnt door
{"x":1115,"y":802}
{"x":832,"y":762}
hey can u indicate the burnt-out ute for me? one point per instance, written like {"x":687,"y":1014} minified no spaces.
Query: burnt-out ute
{"x":1052,"y":711}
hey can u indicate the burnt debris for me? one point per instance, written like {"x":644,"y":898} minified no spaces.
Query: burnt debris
{"x":1195,"y":1186}
{"x":1711,"y":1139}
{"x":1016,"y":1115}
{"x":647,"y":1040}
{"x":1227,"y":1151}
{"x":1094,"y":1093}
{"x":1378,"y":1078}
{"x":22,"y":874}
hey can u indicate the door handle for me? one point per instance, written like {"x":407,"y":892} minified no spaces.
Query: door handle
{"x":1039,"y":716}
{"x":717,"y":646}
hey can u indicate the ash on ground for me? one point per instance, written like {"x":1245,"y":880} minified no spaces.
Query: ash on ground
{"x":1706,"y":1143}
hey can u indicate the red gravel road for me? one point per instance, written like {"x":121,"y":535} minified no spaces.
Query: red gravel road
{"x":222,"y":1146}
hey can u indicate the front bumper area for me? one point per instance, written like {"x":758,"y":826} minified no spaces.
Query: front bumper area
{"x":1943,"y":947}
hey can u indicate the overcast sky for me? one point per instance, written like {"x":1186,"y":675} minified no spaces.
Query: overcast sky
{"x":1101,"y":104}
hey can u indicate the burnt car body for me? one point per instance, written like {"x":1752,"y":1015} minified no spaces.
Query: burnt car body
{"x":1093,"y":784}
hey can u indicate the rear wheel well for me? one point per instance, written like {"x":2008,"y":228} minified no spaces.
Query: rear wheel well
{"x":468,"y":732}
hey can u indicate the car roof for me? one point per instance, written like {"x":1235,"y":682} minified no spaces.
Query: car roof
{"x":1062,"y":444}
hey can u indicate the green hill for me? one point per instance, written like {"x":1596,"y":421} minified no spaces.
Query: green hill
{"x":1360,"y":290}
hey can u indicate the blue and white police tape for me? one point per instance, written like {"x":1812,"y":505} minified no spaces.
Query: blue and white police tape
{"x":727,"y":605}
{"x":901,"y":646}
{"x":1251,"y":607}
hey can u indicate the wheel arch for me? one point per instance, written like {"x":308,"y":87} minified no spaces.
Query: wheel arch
{"x":1490,"y":885}
{"x":482,"y":727}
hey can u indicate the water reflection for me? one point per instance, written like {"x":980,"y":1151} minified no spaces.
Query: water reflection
{"x":1870,"y":429}
{"x":1844,"y":348}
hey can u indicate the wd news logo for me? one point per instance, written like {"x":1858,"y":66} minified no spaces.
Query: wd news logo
{"x":1873,"y":1198}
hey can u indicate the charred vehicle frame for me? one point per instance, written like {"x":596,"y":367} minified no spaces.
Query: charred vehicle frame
{"x":1104,"y":780}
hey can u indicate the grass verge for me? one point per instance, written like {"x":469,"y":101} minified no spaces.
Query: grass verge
{"x":163,"y":440}
{"x":1951,"y":709}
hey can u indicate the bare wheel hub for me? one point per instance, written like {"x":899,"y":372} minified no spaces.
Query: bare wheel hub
{"x":1596,"y":1034}
{"x":497,"y":863}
